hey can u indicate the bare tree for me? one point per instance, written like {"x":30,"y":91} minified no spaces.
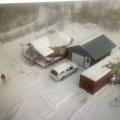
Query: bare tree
{"x":115,"y":72}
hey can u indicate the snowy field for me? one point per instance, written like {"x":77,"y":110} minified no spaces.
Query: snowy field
{"x":30,"y":94}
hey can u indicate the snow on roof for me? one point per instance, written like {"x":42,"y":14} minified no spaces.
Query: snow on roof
{"x":42,"y":46}
{"x":92,"y":38}
{"x":65,"y":38}
{"x":52,"y":39}
{"x":60,"y":68}
{"x":98,"y":70}
{"x":44,"y":40}
{"x":58,"y":39}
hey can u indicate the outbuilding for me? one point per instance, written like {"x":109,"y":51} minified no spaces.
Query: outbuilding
{"x":47,"y":49}
{"x":91,"y":51}
{"x":95,"y":77}
{"x":98,"y":75}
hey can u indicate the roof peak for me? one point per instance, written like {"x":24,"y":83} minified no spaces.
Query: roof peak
{"x":92,"y":38}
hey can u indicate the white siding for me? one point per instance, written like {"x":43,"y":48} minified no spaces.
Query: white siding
{"x":78,"y":59}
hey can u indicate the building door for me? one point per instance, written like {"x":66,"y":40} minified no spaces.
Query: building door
{"x":78,"y":59}
{"x":87,"y":62}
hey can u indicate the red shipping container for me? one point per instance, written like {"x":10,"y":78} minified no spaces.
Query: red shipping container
{"x":95,"y":77}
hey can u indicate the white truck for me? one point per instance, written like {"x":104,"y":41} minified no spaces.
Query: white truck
{"x":63,"y":70}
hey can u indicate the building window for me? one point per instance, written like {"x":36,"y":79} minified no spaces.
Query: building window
{"x":88,"y":60}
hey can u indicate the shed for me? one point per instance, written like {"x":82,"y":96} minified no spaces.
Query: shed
{"x":47,"y":49}
{"x":43,"y":49}
{"x":91,"y":51}
{"x":95,"y":77}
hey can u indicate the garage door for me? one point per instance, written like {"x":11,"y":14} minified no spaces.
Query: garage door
{"x":78,"y":59}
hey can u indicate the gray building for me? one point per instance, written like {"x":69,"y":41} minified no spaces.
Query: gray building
{"x":91,"y":52}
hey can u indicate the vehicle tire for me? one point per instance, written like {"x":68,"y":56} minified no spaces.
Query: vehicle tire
{"x":62,"y":78}
{"x":75,"y":69}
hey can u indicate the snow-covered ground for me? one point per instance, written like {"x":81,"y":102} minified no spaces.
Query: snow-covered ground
{"x":30,"y":94}
{"x":102,"y":106}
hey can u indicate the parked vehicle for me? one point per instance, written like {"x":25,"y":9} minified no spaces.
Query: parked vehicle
{"x":63,"y":70}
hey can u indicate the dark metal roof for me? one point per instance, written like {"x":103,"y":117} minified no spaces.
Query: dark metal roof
{"x":98,"y":47}
{"x":79,"y":50}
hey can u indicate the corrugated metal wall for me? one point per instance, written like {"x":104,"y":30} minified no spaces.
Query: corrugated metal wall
{"x":102,"y":82}
{"x":92,"y":86}
{"x":86,"y":84}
